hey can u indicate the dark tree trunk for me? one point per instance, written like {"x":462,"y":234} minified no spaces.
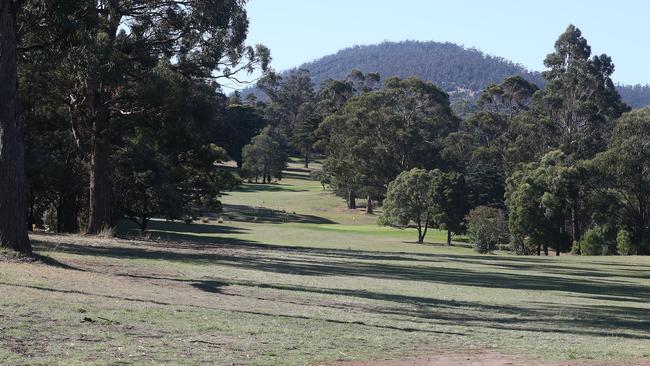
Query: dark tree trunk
{"x":352,"y":199}
{"x":539,"y":250}
{"x":67,"y":214}
{"x":100,"y":179}
{"x":424,"y":233}
{"x":144,"y":222}
{"x":369,"y":205}
{"x":448,"y":237}
{"x":13,"y":195}
{"x":307,"y":158}
{"x":546,"y":250}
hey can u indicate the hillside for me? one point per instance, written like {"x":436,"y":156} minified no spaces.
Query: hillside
{"x":460,"y":71}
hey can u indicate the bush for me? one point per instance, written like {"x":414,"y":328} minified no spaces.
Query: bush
{"x":594,"y":242}
{"x":624,"y":243}
{"x":486,"y":227}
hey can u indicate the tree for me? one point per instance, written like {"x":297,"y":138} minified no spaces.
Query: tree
{"x":409,"y":200}
{"x":304,"y":135}
{"x":288,"y":94}
{"x":580,"y":98}
{"x":145,"y":185}
{"x":580,"y":104}
{"x":264,"y":157}
{"x":509,"y":98}
{"x":538,"y":201}
{"x":13,"y":197}
{"x":164,"y":164}
{"x":449,"y":201}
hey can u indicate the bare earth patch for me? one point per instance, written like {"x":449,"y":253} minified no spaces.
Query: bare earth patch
{"x":482,"y":358}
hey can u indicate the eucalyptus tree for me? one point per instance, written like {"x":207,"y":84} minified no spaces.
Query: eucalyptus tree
{"x":580,"y":99}
{"x":579,"y":105}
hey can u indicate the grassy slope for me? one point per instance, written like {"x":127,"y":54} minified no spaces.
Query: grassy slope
{"x":331,"y":286}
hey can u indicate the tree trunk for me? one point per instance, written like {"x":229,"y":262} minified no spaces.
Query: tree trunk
{"x":539,"y":250}
{"x":67,"y":214}
{"x":352,"y":199}
{"x":100,"y":179}
{"x":424,"y":233}
{"x":307,"y":156}
{"x":575,"y":224}
{"x":448,"y":237}
{"x":369,"y":205}
{"x":546,"y":250}
{"x":420,"y":236}
{"x":144,"y":222}
{"x":13,"y":195}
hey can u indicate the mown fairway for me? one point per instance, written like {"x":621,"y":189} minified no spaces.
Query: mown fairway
{"x":291,"y":278}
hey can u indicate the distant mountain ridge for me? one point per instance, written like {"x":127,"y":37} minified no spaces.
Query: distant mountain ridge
{"x":462,"y":72}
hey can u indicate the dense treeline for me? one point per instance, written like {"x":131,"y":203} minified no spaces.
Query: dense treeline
{"x":461,"y":72}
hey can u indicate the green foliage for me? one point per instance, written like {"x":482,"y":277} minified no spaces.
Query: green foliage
{"x":487,"y":227}
{"x":449,"y":199}
{"x":371,"y":140}
{"x":624,"y":243}
{"x":240,"y":125}
{"x":580,"y":100}
{"x":264,"y":157}
{"x":409,"y":200}
{"x":622,"y":175}
{"x":537,"y":196}
{"x":594,"y":242}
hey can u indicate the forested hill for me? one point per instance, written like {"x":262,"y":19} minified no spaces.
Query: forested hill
{"x":459,"y":70}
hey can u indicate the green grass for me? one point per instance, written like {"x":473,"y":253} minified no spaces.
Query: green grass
{"x":268,"y":287}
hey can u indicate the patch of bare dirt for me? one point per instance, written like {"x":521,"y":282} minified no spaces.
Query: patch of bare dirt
{"x":485,"y":359}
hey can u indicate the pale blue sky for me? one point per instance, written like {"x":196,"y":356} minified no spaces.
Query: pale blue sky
{"x":524,"y":32}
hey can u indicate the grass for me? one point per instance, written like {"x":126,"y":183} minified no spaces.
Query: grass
{"x":314,"y":287}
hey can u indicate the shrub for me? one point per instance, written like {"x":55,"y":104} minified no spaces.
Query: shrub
{"x":594,"y":242}
{"x":486,"y":227}
{"x":624,"y":243}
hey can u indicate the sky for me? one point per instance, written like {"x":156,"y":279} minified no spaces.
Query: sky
{"x":524,"y":32}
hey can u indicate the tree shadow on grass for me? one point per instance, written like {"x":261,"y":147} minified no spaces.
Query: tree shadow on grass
{"x":215,"y":288}
{"x":264,"y":187}
{"x":319,"y":267}
{"x":593,"y":320}
{"x":264,"y":215}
